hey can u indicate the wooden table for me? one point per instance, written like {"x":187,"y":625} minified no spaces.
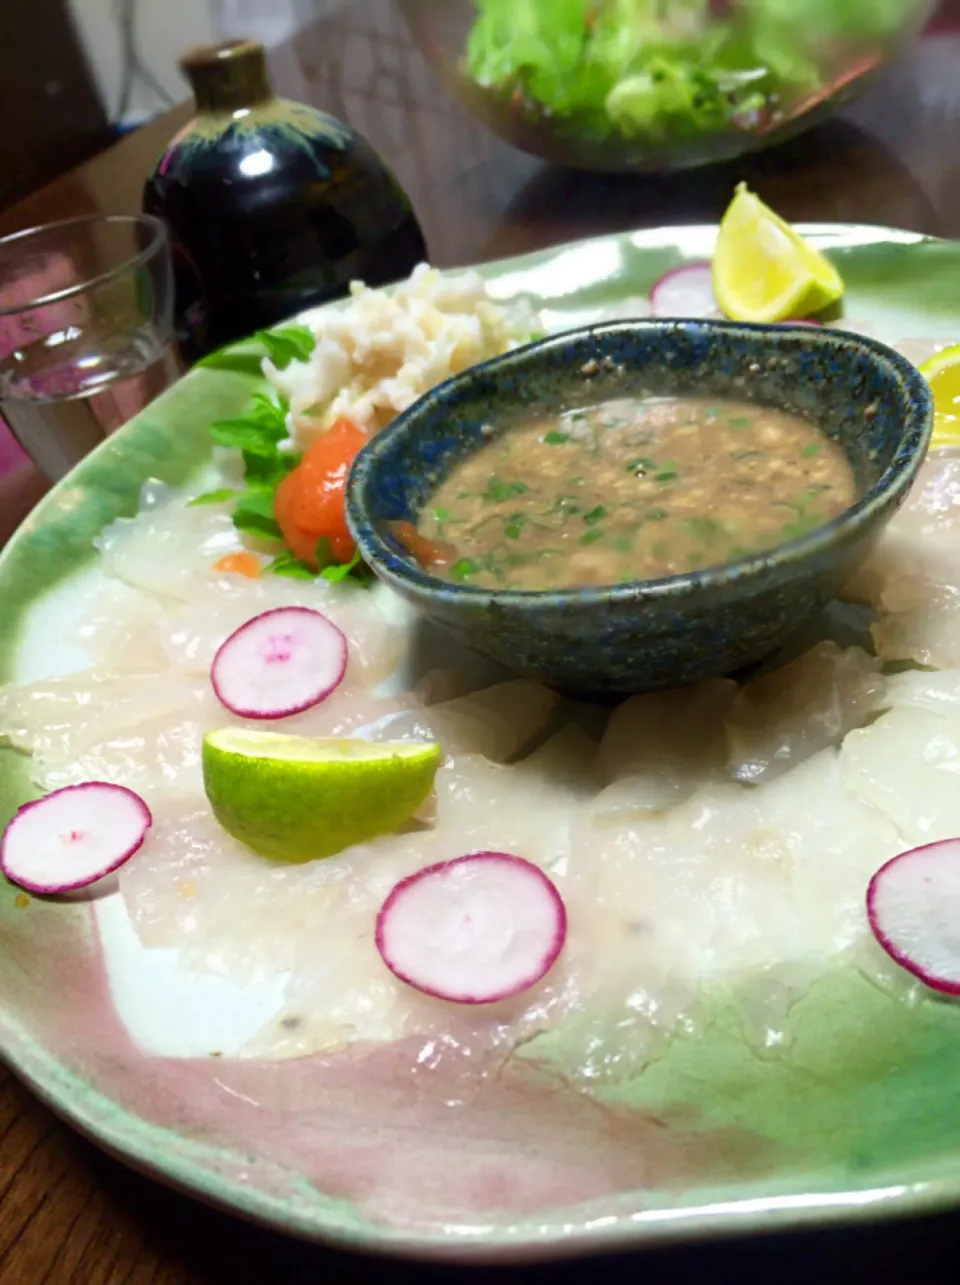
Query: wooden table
{"x":70,"y":1215}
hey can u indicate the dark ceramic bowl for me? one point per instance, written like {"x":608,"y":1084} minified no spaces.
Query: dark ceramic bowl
{"x":654,"y":633}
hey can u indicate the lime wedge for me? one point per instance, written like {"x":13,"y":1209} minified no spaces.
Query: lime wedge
{"x":764,"y":271}
{"x":296,"y":797}
{"x":942,"y":373}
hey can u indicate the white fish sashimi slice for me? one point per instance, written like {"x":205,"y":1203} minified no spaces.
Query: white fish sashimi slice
{"x":194,"y":886}
{"x":786,"y":716}
{"x":59,"y":718}
{"x":340,"y":992}
{"x":169,"y":550}
{"x":496,"y":722}
{"x":534,"y":809}
{"x":907,"y":765}
{"x":158,"y":760}
{"x":510,"y":714}
{"x":920,"y":539}
{"x":144,"y":730}
{"x":165,"y":549}
{"x":122,"y":628}
{"x":659,"y":748}
{"x":139,"y":730}
{"x":730,"y":883}
{"x":927,"y":632}
{"x":207,"y":619}
{"x":912,"y":578}
{"x":348,"y":712}
{"x":567,"y":761}
{"x":734,"y":879}
{"x":164,"y":757}
{"x":936,"y":692}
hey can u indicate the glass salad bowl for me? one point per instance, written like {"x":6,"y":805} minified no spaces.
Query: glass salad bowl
{"x":657,"y":84}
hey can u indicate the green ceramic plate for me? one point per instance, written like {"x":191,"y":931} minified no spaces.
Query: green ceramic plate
{"x":858,"y":1117}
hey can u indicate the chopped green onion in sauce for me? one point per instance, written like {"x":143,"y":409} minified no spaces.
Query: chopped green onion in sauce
{"x":644,"y":488}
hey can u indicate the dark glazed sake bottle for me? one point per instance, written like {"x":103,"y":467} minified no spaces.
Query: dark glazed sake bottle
{"x":272,"y":206}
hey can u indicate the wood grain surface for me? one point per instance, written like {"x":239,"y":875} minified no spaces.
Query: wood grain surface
{"x":70,"y":1215}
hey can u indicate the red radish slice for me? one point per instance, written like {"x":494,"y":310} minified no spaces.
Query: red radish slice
{"x":475,"y":930}
{"x":73,"y":837}
{"x":279,"y":663}
{"x":913,"y":904}
{"x":686,"y":291}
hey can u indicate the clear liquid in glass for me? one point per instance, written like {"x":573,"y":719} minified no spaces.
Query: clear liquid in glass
{"x":61,"y":399}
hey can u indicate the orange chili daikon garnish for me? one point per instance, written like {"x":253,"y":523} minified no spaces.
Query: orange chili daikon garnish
{"x":240,"y":564}
{"x":310,"y":502}
{"x":429,"y":553}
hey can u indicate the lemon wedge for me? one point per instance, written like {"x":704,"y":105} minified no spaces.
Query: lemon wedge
{"x":763,"y":270}
{"x":942,"y":373}
{"x":296,"y":798}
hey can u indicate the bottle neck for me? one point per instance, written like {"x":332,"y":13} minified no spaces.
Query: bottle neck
{"x":228,"y":77}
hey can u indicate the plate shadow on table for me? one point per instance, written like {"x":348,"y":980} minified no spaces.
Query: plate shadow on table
{"x":838,"y":174}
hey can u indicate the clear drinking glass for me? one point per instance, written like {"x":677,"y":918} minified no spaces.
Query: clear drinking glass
{"x":86,"y":332}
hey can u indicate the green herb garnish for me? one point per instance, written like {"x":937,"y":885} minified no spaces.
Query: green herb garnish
{"x":499,"y":490}
{"x":339,"y":571}
{"x":248,"y":434}
{"x":285,"y":564}
{"x":813,"y":449}
{"x":595,"y":515}
{"x":640,"y":466}
{"x":258,"y":433}
{"x":213,"y":497}
{"x":464,"y":568}
{"x":287,"y":344}
{"x":706,"y":529}
{"x":803,"y":525}
{"x":555,"y":438}
{"x":591,"y":537}
{"x":253,"y":515}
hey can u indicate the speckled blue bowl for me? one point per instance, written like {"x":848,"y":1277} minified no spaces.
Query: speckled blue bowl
{"x":654,"y":633}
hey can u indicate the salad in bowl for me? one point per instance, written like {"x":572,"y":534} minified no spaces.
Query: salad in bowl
{"x":656,"y":84}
